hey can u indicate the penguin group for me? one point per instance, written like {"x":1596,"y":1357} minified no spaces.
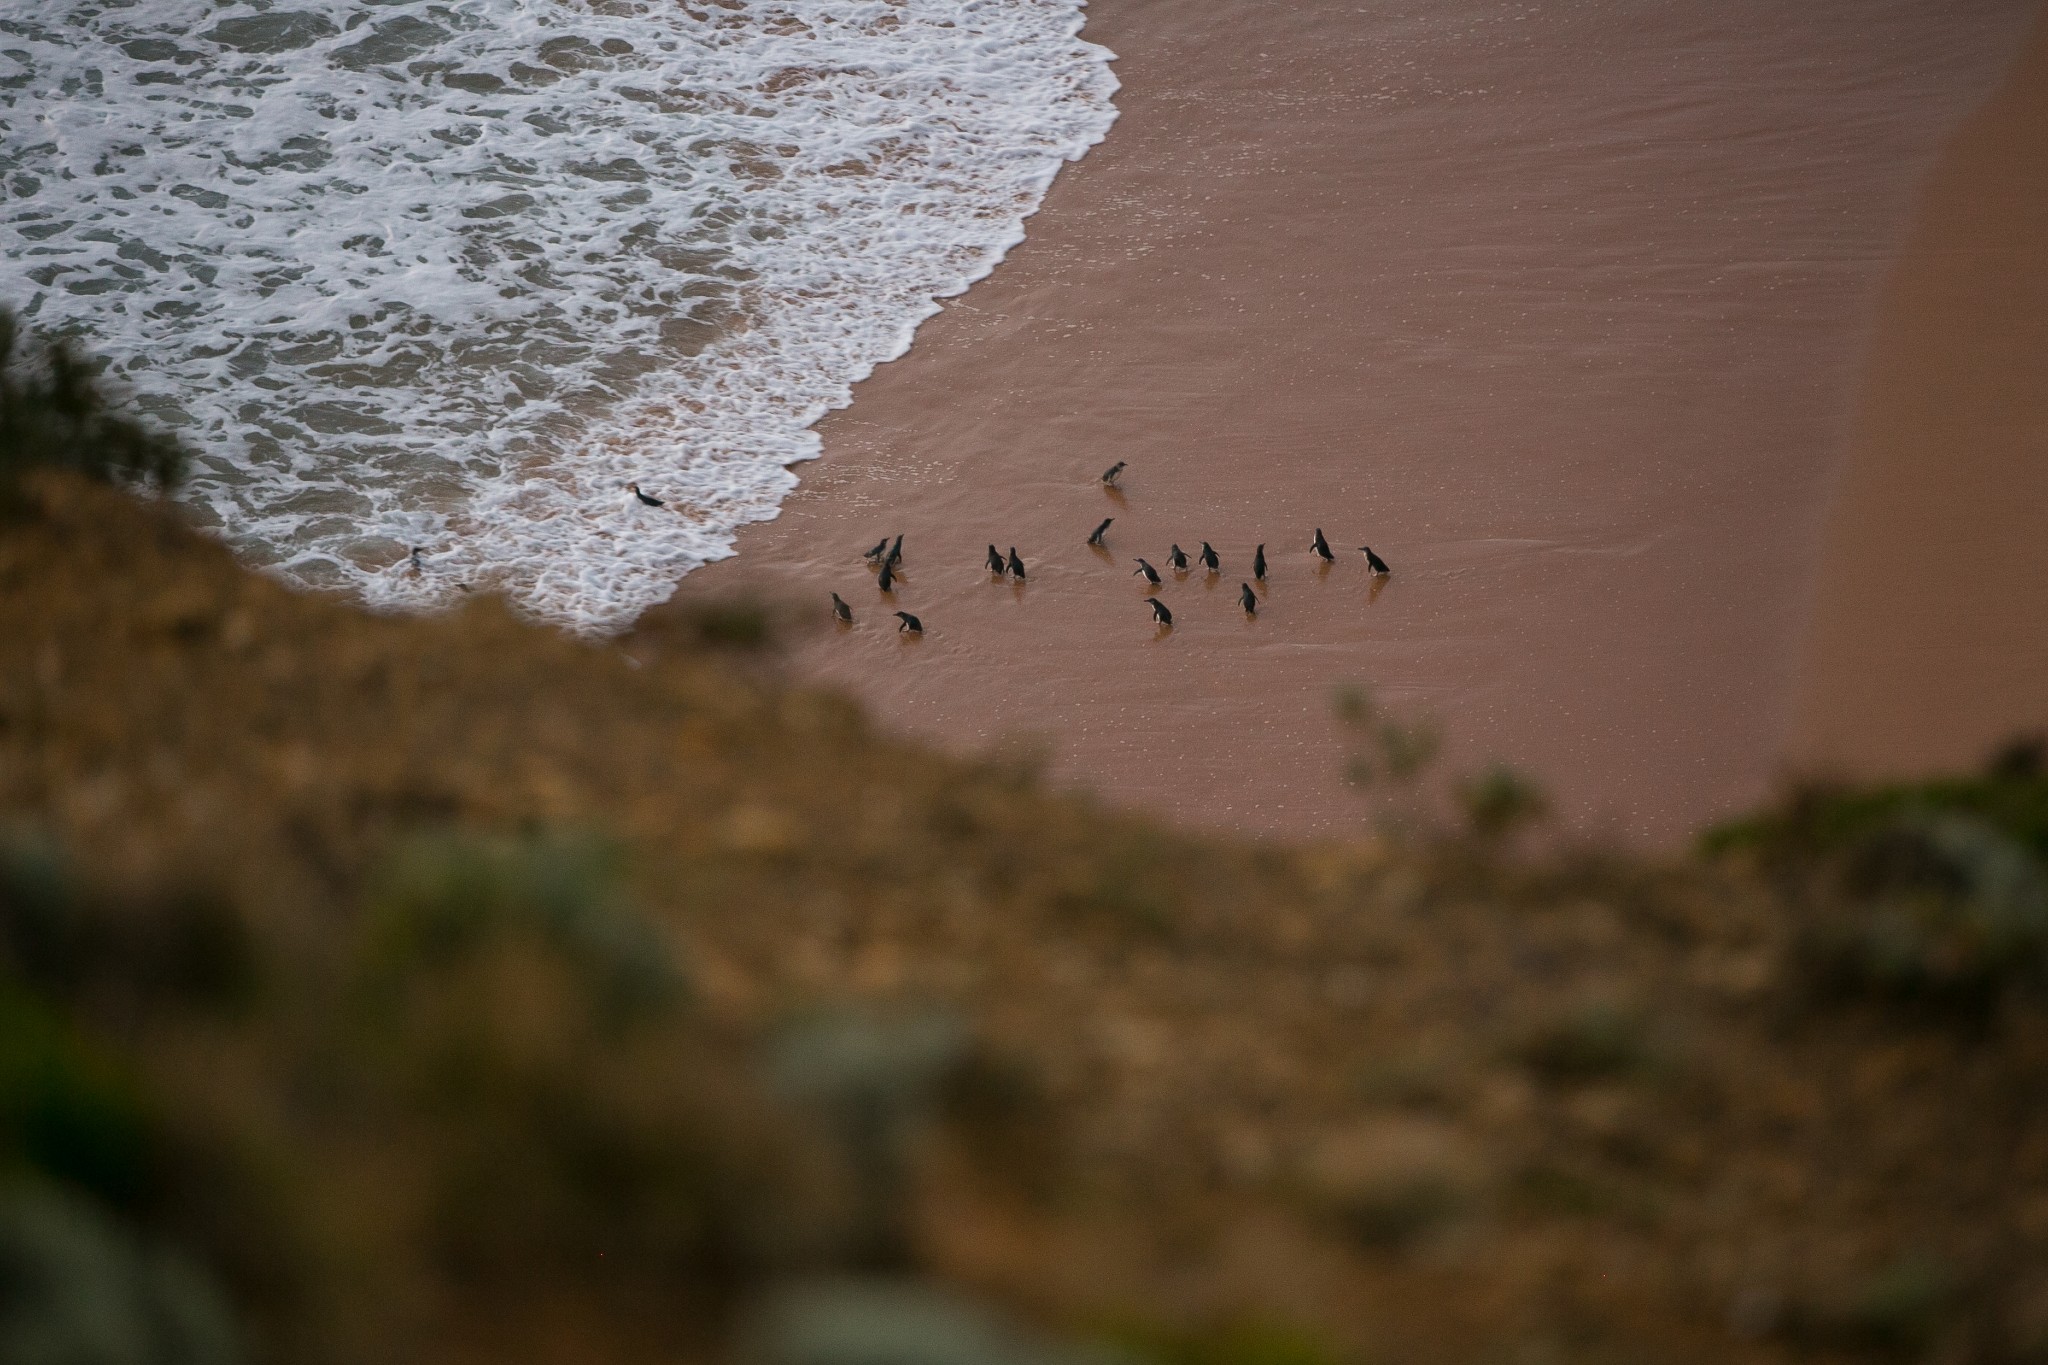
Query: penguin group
{"x":887,"y":555}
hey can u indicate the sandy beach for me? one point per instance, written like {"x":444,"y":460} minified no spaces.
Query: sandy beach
{"x":1930,"y":633}
{"x":1564,"y":313}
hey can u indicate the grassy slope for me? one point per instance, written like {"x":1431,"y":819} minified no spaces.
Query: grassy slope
{"x":1425,"y":1105}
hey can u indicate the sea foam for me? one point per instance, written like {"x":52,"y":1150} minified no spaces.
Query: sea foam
{"x":451,"y":274}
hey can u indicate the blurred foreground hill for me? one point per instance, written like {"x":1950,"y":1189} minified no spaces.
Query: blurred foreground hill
{"x":381,"y":990}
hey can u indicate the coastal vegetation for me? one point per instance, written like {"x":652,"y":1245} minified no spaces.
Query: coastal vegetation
{"x":450,"y":990}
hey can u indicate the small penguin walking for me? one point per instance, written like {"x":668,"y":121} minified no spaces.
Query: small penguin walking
{"x":646,"y":499}
{"x":1095,"y":538}
{"x":1247,"y":599}
{"x":1208,"y":558}
{"x":1321,"y":546}
{"x":1259,"y":563}
{"x":1147,"y":572}
{"x":881,"y":548}
{"x":418,"y":567}
{"x":841,"y":613}
{"x":1109,"y":474}
{"x":895,"y":556}
{"x":1373,"y":562}
{"x":1177,"y":559}
{"x":887,"y":582}
{"x":995,"y":561}
{"x":1160,"y":613}
{"x":1016,"y":564}
{"x":910,"y":624}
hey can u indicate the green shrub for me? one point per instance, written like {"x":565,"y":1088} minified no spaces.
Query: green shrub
{"x":55,"y":415}
{"x":1938,"y":907}
{"x":1596,"y":1042}
{"x":1499,"y":802}
{"x":442,"y":898}
{"x":78,"y":1289}
{"x":68,"y":1111}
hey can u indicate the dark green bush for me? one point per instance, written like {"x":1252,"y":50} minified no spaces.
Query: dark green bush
{"x":1943,"y":908}
{"x":55,"y":415}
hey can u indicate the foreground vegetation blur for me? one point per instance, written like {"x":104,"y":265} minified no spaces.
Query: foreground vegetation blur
{"x":382,"y":990}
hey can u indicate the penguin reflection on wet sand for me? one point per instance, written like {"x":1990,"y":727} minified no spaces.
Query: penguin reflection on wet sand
{"x":1209,"y":560}
{"x":887,"y":582}
{"x":1016,"y":565}
{"x":1321,"y":547}
{"x":1247,"y":599}
{"x":1373,"y":562}
{"x":1160,"y":613}
{"x":910,"y":624}
{"x":1095,"y":539}
{"x":1177,"y":559}
{"x":1147,"y":572}
{"x":1259,"y":563}
{"x":995,"y":561}
{"x":841,"y":613}
{"x":1109,"y":475}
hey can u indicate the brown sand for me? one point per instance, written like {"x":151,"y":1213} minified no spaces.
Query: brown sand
{"x":1558,"y":310}
{"x":1930,"y":635}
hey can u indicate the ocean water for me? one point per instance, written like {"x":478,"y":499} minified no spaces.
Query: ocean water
{"x":452,"y":274}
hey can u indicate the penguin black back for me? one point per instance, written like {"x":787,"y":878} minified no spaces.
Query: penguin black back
{"x":1209,"y":559}
{"x":995,"y":560}
{"x":646,"y":499}
{"x":1095,"y":539}
{"x":910,"y":623}
{"x":1321,"y":546}
{"x":840,"y":611}
{"x":1177,"y":558}
{"x":1109,"y":474}
{"x":896,"y":552}
{"x":1259,"y":563}
{"x":1374,"y":562}
{"x":887,"y":582}
{"x":882,"y":548}
{"x":1016,"y":564}
{"x":1247,"y":599}
{"x":1147,"y":572}
{"x":1159,"y":612}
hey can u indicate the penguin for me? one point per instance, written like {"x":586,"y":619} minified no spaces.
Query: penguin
{"x":417,"y":567}
{"x":840,"y":611}
{"x":887,"y":582}
{"x":1159,"y":612}
{"x":1177,"y":559}
{"x":1209,"y":560}
{"x":1374,"y":562}
{"x":646,"y":499}
{"x":881,"y":548}
{"x":995,"y":561}
{"x":1109,"y":474}
{"x":1096,"y":538}
{"x":895,"y":553}
{"x":1247,"y":599}
{"x":1259,"y":563}
{"x":910,"y":624}
{"x":1147,"y":572}
{"x":1321,"y":546}
{"x":1016,"y":564}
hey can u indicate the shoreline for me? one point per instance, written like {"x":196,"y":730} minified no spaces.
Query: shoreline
{"x":1559,"y":314}
{"x":1929,"y":638}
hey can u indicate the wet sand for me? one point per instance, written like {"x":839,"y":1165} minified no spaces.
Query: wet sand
{"x":1930,"y":635}
{"x":1561,"y":311}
